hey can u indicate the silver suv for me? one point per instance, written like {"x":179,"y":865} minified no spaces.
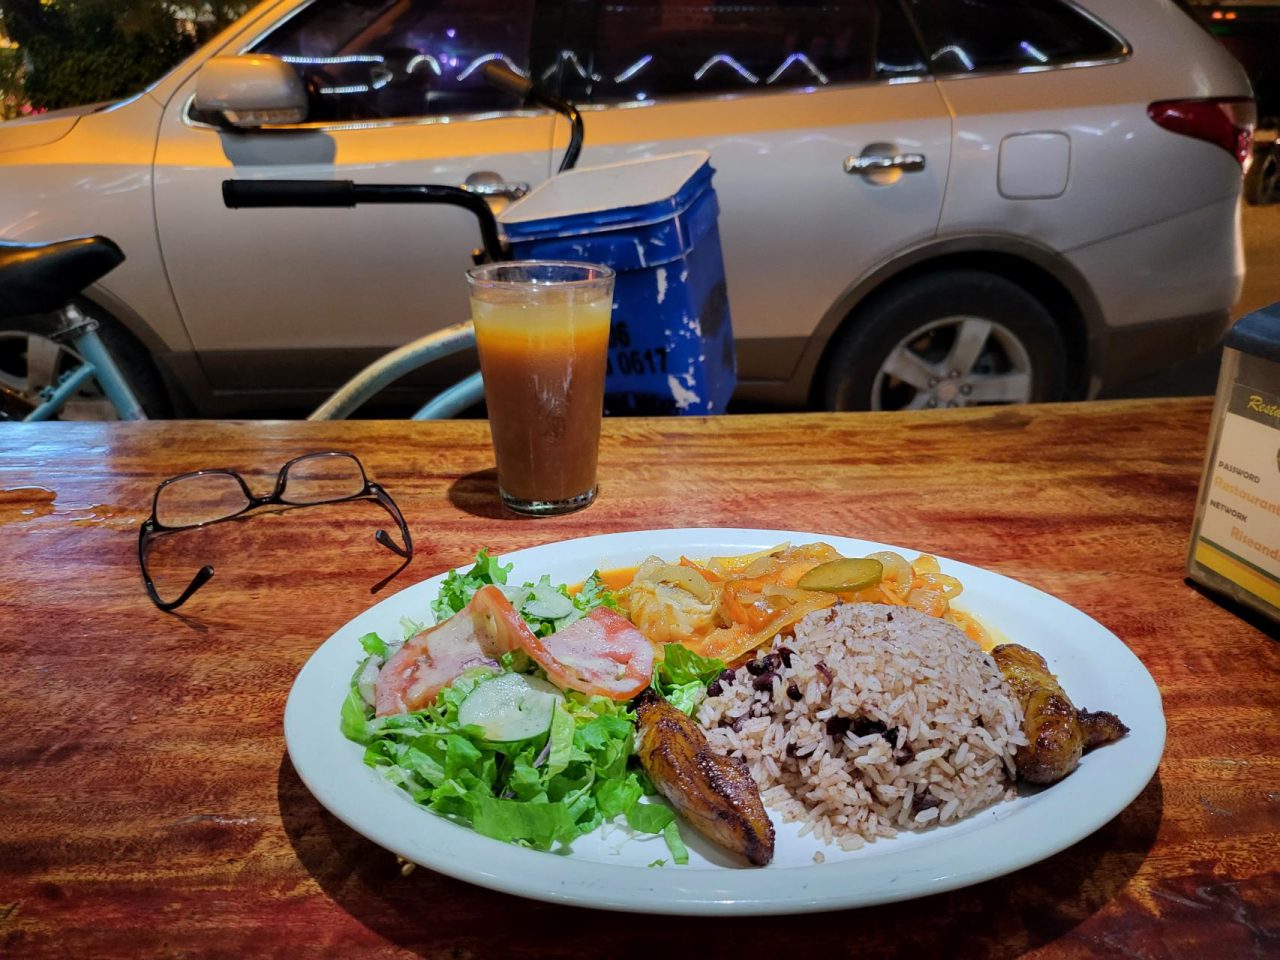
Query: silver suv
{"x":923,"y":202}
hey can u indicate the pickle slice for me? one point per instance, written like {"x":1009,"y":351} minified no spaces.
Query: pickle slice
{"x":843,"y":576}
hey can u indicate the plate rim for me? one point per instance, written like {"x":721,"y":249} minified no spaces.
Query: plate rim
{"x":694,"y":890}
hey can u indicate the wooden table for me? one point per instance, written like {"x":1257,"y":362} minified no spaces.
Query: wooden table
{"x":147,"y":806}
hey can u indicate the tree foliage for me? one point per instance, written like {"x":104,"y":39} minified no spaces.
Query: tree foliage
{"x":11,"y":92}
{"x":86,"y":51}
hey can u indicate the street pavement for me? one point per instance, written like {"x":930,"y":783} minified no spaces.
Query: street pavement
{"x":1262,"y":258}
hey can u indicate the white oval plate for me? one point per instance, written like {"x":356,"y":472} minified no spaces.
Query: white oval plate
{"x":609,"y":868}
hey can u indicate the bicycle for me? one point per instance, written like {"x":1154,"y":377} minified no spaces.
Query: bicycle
{"x":44,"y":278}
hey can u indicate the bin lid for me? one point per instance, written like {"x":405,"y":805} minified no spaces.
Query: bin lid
{"x":1258,"y":333}
{"x":630,"y":193}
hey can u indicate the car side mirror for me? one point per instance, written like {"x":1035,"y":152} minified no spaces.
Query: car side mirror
{"x":251,"y":91}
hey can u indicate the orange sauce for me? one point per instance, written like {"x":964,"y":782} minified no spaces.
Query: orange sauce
{"x":615,"y":579}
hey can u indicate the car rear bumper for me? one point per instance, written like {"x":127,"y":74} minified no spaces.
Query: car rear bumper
{"x":1164,"y":293}
{"x":1138,"y":351}
{"x":1185,"y":266}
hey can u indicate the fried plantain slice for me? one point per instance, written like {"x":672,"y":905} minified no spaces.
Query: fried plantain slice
{"x":715,"y":794}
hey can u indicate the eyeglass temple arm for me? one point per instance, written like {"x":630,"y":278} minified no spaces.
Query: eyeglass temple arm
{"x":203,"y":576}
{"x":382,"y":536}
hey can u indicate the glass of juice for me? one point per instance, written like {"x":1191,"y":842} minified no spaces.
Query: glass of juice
{"x":542,"y":331}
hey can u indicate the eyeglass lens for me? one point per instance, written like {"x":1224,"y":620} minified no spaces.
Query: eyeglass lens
{"x":199,"y":498}
{"x":323,"y":478}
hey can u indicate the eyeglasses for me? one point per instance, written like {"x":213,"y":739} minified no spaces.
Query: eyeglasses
{"x":209,"y":496}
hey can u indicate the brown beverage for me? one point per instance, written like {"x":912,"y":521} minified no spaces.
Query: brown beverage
{"x":542,"y":344}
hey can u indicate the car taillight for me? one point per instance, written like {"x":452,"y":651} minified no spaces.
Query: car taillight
{"x":1227,"y":122}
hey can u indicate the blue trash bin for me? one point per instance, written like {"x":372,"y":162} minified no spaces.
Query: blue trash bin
{"x":671,"y":348}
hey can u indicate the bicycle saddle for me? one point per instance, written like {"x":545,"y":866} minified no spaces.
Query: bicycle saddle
{"x":43,"y":277}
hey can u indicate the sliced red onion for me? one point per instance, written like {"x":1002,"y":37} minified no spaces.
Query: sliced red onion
{"x":542,"y":757}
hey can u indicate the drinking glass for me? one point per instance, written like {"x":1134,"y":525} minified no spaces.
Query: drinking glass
{"x":542,"y":332}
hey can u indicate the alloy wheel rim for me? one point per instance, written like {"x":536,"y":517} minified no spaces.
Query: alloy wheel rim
{"x":956,"y":361}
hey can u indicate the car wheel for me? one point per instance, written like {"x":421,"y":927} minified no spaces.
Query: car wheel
{"x":1262,"y":183}
{"x":31,"y":362}
{"x":959,"y":338}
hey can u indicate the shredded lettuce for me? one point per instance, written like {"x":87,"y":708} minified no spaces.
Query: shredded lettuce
{"x":355,"y":713}
{"x":671,"y":834}
{"x":649,"y":817}
{"x":549,"y":607}
{"x":594,"y":593}
{"x":541,"y":792}
{"x":458,"y":588}
{"x":545,"y":606}
{"x":374,"y":645}
{"x":560,"y":742}
{"x":682,"y":676}
{"x":549,"y":789}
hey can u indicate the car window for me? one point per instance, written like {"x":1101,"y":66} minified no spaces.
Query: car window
{"x":378,"y":59}
{"x":963,"y":36}
{"x":634,"y":50}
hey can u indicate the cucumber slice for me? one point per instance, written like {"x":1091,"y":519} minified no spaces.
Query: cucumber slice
{"x":840,"y":576}
{"x":510,"y":707}
{"x":547,"y":603}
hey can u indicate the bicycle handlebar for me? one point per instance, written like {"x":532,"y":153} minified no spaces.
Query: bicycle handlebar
{"x":241,"y":194}
{"x":499,"y":75}
{"x":258,"y":194}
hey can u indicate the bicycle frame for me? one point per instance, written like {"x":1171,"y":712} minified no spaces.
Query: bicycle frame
{"x":81,"y":334}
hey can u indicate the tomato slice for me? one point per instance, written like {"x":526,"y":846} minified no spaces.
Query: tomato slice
{"x":498,"y":622}
{"x":429,"y":661}
{"x":603,"y":654}
{"x":476,"y":636}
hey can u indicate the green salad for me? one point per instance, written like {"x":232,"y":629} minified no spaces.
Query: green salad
{"x":506,"y":752}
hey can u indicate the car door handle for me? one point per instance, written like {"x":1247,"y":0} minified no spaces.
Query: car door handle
{"x":486,"y":183}
{"x":906,"y":162}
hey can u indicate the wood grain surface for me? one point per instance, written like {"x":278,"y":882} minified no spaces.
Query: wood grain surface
{"x":148,"y":808}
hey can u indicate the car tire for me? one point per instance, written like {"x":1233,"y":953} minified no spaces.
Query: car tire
{"x":24,"y":342}
{"x":1262,"y":182}
{"x":948,"y":339}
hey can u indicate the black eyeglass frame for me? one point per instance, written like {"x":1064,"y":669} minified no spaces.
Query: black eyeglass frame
{"x":371,"y":490}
